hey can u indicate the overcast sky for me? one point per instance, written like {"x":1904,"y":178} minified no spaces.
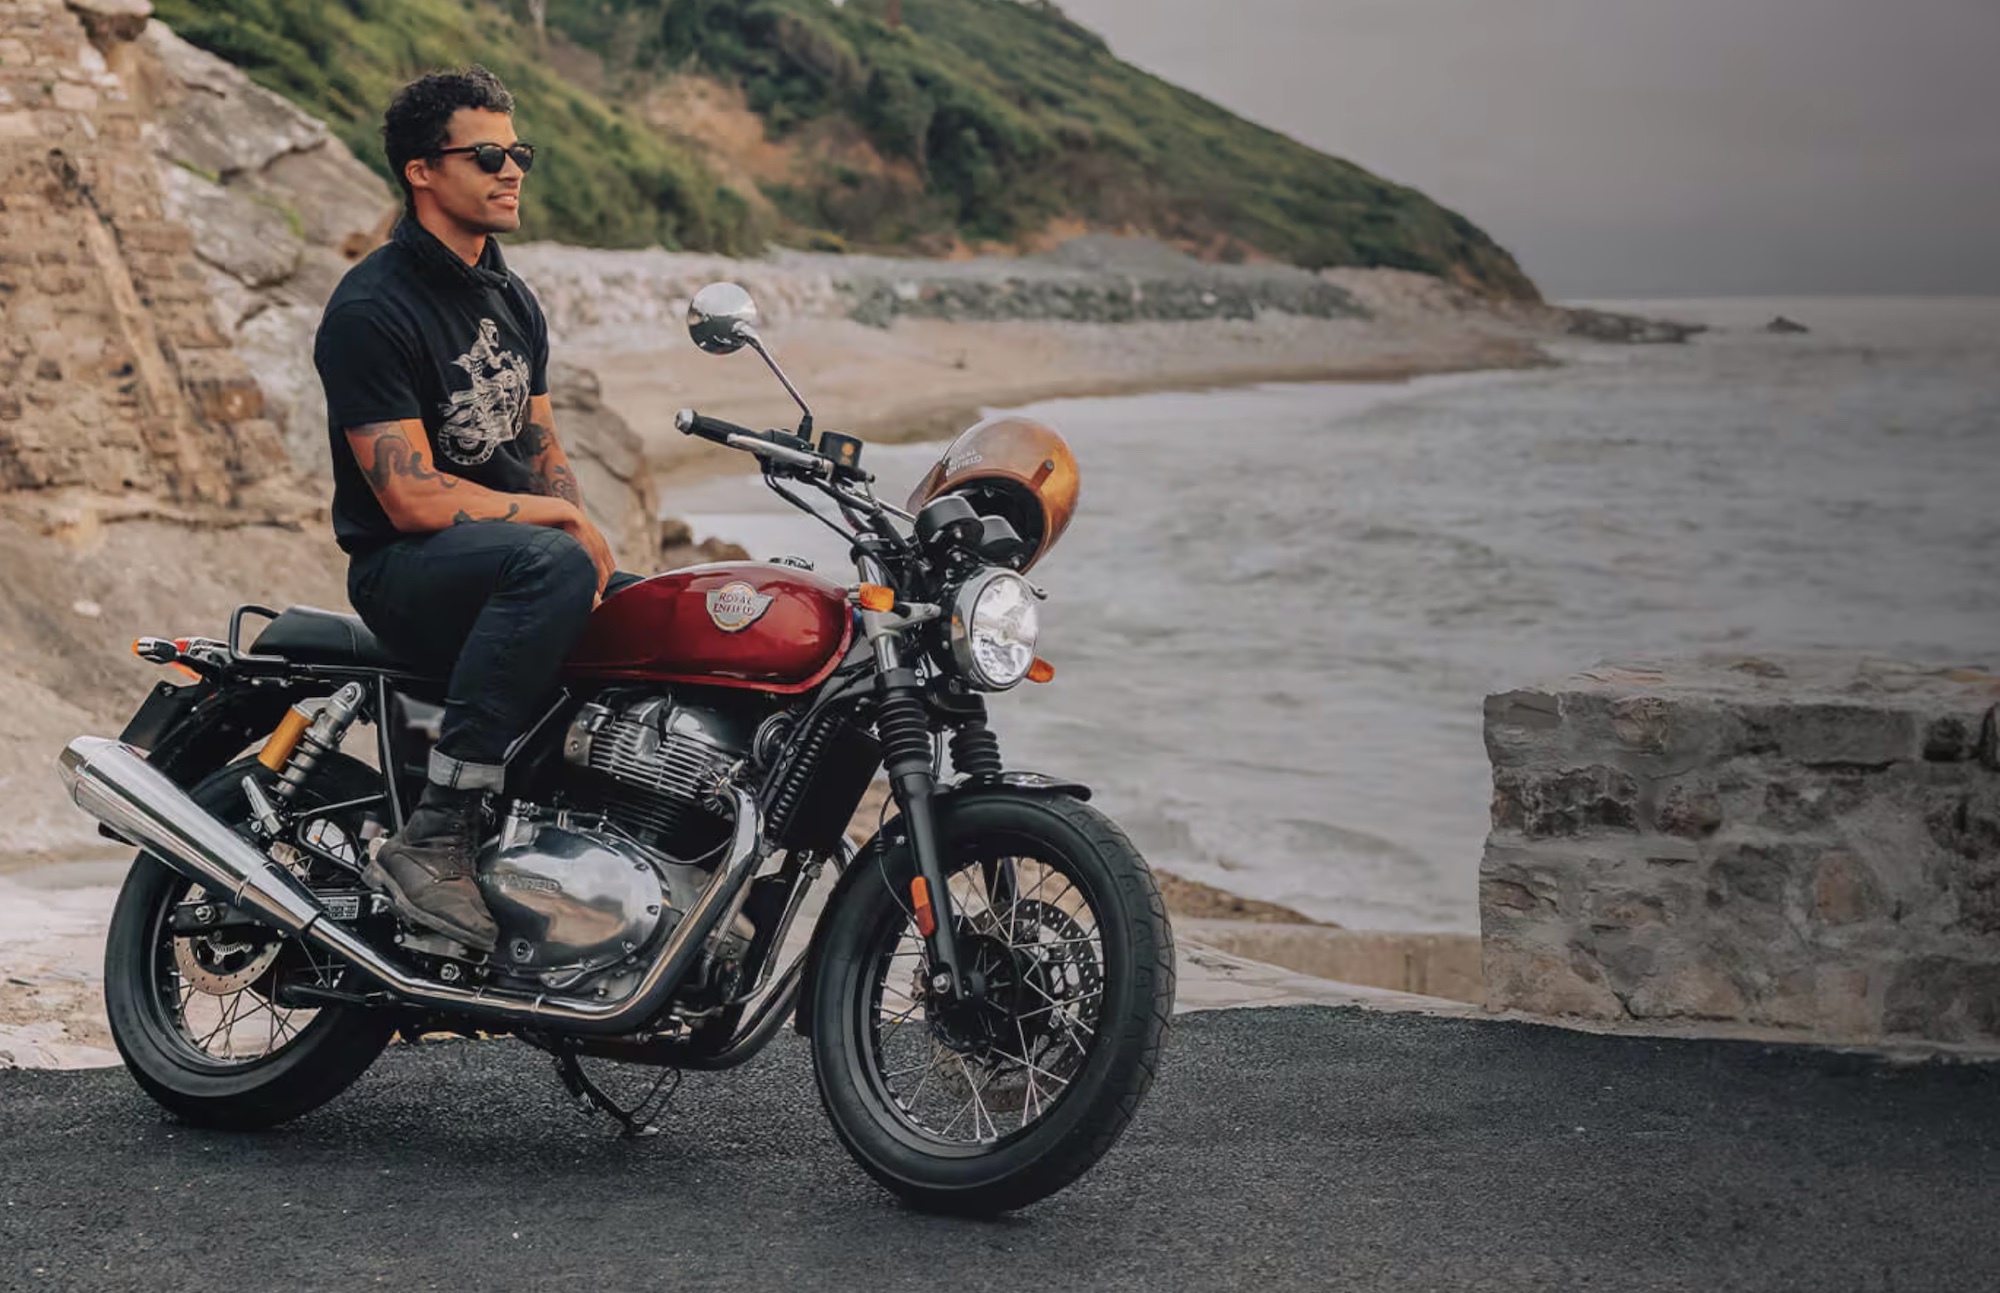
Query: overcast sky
{"x":1637,"y":147}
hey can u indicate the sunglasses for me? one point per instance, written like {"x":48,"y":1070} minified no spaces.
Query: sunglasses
{"x":492,"y":157}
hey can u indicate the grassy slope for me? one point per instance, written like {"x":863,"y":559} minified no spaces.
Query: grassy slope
{"x":1016,"y":115}
{"x":1010,"y":115}
{"x":603,"y":179}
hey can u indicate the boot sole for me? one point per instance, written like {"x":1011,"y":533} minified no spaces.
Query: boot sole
{"x":383,"y":883}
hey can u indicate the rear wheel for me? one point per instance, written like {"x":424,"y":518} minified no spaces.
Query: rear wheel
{"x":203,"y":1020}
{"x":982,"y":1107}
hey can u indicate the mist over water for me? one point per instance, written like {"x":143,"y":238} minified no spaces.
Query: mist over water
{"x":1279,"y":609}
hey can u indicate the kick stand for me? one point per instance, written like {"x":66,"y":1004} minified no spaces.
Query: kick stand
{"x":638,"y":1120}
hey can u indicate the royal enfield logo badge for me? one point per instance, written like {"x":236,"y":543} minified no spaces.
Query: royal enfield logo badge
{"x":735,"y":607}
{"x":517,"y":880}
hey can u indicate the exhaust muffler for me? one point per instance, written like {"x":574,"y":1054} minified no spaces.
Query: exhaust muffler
{"x":113,"y":784}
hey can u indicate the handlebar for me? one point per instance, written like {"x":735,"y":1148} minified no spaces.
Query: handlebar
{"x":773,"y":446}
{"x":689,"y":422}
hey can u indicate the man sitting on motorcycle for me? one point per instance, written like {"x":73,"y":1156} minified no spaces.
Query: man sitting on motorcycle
{"x":469,"y":551}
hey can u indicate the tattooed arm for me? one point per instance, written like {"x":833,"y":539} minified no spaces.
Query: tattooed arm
{"x":554,"y":478}
{"x":417,"y":500}
{"x":545,"y":453}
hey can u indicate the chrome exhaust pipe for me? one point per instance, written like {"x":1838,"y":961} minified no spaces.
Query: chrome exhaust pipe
{"x":113,"y":784}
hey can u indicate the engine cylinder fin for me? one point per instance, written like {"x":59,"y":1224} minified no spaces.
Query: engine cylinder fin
{"x":654,"y":781}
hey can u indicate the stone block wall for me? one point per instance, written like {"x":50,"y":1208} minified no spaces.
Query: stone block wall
{"x":1796,"y":845}
{"x":115,"y":381}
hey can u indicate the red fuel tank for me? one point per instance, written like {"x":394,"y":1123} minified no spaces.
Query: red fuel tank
{"x":731,"y":624}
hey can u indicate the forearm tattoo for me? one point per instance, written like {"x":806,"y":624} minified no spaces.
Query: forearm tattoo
{"x":390,"y":454}
{"x":551,"y":480}
{"x":464,"y":517}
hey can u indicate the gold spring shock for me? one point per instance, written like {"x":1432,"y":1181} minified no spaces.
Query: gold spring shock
{"x":302,"y":738}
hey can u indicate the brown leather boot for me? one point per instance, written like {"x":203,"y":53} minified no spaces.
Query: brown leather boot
{"x":427,"y":870}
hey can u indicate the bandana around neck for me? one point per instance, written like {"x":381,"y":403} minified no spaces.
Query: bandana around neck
{"x":444,"y":263}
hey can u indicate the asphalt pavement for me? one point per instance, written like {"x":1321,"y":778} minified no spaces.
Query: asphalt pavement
{"x":1299,"y":1148}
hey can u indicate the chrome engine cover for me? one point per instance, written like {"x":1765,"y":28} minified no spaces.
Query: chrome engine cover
{"x":572,"y":899}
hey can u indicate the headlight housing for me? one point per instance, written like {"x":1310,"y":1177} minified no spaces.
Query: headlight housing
{"x":994,"y":624}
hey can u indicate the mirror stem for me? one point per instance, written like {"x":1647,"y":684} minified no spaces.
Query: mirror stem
{"x":756,"y":343}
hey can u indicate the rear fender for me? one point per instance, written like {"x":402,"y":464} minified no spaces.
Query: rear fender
{"x":866,"y":866}
{"x":222,"y":721}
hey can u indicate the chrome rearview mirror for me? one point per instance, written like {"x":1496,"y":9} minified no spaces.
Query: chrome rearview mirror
{"x":722,"y":318}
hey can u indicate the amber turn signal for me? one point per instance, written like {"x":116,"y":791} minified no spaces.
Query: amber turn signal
{"x":874,"y":597}
{"x":1041,"y":671}
{"x":920,"y":898}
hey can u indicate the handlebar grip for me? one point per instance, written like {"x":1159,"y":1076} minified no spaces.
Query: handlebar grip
{"x":689,"y":422}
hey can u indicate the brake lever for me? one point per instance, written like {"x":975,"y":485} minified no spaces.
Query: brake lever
{"x":810,"y":463}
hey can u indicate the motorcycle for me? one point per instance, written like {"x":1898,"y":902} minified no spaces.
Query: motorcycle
{"x":985,"y":991}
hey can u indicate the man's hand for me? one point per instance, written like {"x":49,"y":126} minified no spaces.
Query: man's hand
{"x":592,"y":539}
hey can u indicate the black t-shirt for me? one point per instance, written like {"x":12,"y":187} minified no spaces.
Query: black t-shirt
{"x":415,"y":332}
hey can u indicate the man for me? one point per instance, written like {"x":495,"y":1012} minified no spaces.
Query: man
{"x":469,"y":551}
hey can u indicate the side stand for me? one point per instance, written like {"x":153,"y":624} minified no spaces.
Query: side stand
{"x":638,"y":1121}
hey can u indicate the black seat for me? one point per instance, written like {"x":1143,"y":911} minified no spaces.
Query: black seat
{"x":309,"y":635}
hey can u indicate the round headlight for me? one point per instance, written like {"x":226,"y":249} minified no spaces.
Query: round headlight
{"x":994,"y":624}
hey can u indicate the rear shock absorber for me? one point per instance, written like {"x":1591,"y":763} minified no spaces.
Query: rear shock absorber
{"x":298,"y":745}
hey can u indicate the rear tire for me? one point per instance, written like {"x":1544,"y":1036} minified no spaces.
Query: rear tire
{"x":148,"y":1008}
{"x":1091,"y":1013}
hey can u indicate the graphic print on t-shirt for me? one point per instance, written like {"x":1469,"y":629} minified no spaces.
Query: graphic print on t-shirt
{"x":478,"y":421}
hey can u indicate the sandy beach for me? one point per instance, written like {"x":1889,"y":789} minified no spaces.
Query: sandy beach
{"x":921,"y":378}
{"x":926,"y":380}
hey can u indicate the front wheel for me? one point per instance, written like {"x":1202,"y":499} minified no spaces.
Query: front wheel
{"x":982,"y":1107}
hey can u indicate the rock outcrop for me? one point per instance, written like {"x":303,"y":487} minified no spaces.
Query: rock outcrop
{"x":1626,"y":329}
{"x":119,"y":394}
{"x":1795,"y":845}
{"x":279,"y":208}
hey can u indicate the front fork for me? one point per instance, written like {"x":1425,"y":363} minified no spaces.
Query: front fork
{"x":903,"y":725}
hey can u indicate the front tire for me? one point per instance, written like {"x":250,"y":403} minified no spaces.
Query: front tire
{"x":1057,"y":908}
{"x":191,"y":1043}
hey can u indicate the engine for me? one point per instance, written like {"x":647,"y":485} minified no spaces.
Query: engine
{"x":585,"y":889}
{"x":651,"y":765}
{"x":577,"y":900}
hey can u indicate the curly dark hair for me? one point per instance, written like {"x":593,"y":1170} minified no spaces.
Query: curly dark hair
{"x":418,"y":122}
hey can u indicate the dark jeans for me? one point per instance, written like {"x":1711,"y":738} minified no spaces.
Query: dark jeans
{"x":496,"y":605}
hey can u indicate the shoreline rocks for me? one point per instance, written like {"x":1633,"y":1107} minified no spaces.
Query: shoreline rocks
{"x":1803,"y":844}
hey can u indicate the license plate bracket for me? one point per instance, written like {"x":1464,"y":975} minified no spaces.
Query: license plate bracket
{"x":160,"y":713}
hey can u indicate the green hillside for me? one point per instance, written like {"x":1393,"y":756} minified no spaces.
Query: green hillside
{"x":986,"y":120}
{"x":603,"y":179}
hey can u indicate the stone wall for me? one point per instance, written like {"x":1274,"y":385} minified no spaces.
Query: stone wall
{"x":118,"y":392}
{"x":1794,"y":845}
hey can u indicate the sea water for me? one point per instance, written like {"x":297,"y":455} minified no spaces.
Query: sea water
{"x":1279,"y":608}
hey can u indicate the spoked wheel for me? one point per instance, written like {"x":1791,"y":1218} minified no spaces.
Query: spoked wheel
{"x":973,"y":1072}
{"x":986,"y":1105}
{"x":204,"y":1020}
